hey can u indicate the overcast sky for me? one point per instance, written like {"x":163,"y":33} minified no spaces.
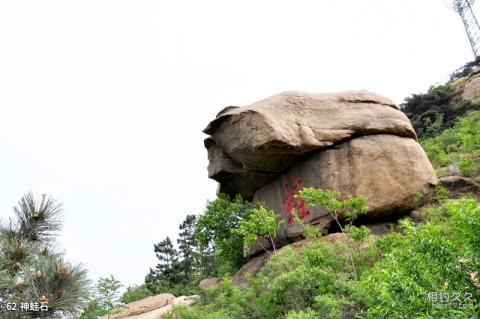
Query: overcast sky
{"x":103,"y":102}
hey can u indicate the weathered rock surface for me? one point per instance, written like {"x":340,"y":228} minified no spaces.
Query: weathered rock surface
{"x":144,"y":305}
{"x":391,"y":172}
{"x":250,"y":145}
{"x":209,"y":282}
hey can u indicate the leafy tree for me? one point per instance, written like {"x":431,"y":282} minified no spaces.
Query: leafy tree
{"x":214,"y":229}
{"x":261,"y":224}
{"x":31,"y":270}
{"x":108,"y":294}
{"x":106,"y":299}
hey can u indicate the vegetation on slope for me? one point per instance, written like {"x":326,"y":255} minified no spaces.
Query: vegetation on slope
{"x":428,"y":270}
{"x":405,"y":275}
{"x":438,"y":109}
{"x":458,"y":147}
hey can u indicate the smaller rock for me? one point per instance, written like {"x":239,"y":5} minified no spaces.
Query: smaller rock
{"x":159,"y":313}
{"x":162,"y":312}
{"x":416,"y":215}
{"x":209,"y":282}
{"x":252,"y":268}
{"x":335,"y":238}
{"x":142,"y":306}
{"x":459,"y":184}
{"x":186,"y":301}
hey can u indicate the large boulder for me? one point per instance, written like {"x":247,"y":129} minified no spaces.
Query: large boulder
{"x":356,"y":142}
{"x":209,"y":282}
{"x":392,"y":172}
{"x":250,"y":146}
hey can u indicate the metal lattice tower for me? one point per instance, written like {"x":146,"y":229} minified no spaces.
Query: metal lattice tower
{"x":464,"y":9}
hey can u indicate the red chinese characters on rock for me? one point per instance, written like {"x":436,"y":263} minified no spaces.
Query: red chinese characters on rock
{"x":292,"y":203}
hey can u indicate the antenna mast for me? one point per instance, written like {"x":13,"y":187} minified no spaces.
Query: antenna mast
{"x":464,"y":9}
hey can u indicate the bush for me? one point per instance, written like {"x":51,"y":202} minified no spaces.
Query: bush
{"x":135,"y":293}
{"x":415,"y":266}
{"x":310,"y":314}
{"x":466,"y":217}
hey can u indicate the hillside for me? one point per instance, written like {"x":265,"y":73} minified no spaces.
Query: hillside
{"x":410,"y":249}
{"x":413,"y":273}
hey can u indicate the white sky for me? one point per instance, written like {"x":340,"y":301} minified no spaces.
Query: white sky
{"x":102,"y":103}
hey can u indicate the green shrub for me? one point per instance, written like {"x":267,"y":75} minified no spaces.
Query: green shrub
{"x":233,"y":302}
{"x":297,"y":279}
{"x":186,"y":313}
{"x":135,"y":293}
{"x":309,"y":314}
{"x":467,"y":166}
{"x":466,"y":217}
{"x":316,"y":279}
{"x":441,"y":194}
{"x":418,"y":264}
